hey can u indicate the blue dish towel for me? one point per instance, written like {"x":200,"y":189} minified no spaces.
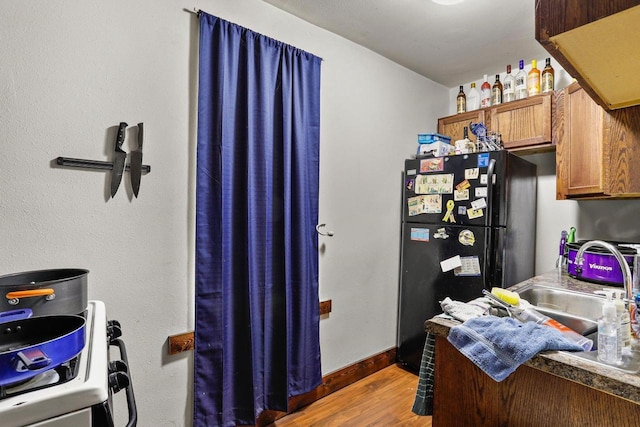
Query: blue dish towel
{"x":498,"y":345}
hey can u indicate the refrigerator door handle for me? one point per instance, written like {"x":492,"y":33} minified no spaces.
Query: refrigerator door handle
{"x":489,"y":278}
{"x":490,"y":175}
{"x":488,"y":274}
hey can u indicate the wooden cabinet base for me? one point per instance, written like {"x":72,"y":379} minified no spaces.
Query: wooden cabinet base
{"x":466,"y":396}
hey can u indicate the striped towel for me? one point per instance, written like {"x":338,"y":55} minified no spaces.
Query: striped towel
{"x":423,"y":403}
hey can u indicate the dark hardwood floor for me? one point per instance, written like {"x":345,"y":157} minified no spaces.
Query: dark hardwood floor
{"x":382,"y":399}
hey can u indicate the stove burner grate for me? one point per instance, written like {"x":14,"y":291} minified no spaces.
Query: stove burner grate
{"x":64,"y":372}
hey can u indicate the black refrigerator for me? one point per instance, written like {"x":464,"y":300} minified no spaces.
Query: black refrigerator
{"x":468,"y":223}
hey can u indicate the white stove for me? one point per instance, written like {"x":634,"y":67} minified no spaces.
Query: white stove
{"x":83,"y":400}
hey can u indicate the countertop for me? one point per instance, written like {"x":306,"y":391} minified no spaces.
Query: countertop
{"x":560,"y":363}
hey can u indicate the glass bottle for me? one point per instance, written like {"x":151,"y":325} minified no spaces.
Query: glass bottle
{"x":548,"y":76}
{"x":473,"y":99}
{"x":496,"y":92}
{"x":533,"y":79}
{"x":509,"y":87}
{"x":461,"y":101}
{"x":485,"y":93}
{"x":521,"y":81}
{"x":470,"y":147}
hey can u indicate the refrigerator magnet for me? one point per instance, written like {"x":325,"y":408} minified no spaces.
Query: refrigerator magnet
{"x":470,"y":266}
{"x":432,"y":165}
{"x":420,"y":234}
{"x":448,"y":216}
{"x":484,"y":180}
{"x":483,"y":160}
{"x":472,"y":173}
{"x":481,"y":192}
{"x":461,"y":195}
{"x":467,"y":238}
{"x":451,"y":263}
{"x":434,"y":184}
{"x":441,"y":233}
{"x":480,"y":203}
{"x":409,"y":184}
{"x":474,"y":213}
{"x":421,"y":184}
{"x":425,"y":204}
{"x":462,"y":210}
{"x":463,"y":185}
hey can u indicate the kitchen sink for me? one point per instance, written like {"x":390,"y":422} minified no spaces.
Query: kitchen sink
{"x":579,"y":311}
{"x":588,"y":306}
{"x":573,"y":309}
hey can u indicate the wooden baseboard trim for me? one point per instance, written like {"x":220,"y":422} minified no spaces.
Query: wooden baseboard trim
{"x":333,"y":382}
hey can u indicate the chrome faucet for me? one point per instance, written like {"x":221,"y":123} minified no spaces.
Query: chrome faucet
{"x":627,"y":279}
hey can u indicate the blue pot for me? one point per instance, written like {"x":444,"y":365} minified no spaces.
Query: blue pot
{"x":34,"y":345}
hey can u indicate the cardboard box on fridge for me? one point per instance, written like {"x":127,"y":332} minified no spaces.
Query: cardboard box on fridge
{"x":438,"y":149}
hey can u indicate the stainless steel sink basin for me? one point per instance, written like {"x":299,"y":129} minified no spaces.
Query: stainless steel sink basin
{"x":588,"y":306}
{"x":578,"y":311}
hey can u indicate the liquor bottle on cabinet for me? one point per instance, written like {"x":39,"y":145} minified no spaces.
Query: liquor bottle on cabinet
{"x":548,"y":76}
{"x":533,"y":79}
{"x":521,"y":81}
{"x":496,"y":92}
{"x":509,"y":87}
{"x":461,"y":101}
{"x":485,"y":93}
{"x":473,"y":99}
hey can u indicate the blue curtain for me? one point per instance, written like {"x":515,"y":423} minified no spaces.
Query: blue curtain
{"x":257,"y":306}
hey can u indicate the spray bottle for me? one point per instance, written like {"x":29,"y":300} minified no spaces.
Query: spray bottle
{"x":608,"y":328}
{"x":561,"y":261}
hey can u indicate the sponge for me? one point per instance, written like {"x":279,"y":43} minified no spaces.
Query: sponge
{"x":507,"y":296}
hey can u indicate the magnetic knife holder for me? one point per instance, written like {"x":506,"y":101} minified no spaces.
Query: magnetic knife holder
{"x":94,"y":164}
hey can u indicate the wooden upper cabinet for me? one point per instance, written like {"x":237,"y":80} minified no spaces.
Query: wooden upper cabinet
{"x":524,"y":125}
{"x":597,"y":42}
{"x":453,"y":126}
{"x":598,"y":151}
{"x":580,"y":154}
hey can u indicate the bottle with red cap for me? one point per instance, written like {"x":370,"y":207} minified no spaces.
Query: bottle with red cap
{"x":485,"y":93}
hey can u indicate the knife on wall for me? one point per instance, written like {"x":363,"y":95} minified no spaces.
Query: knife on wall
{"x":119,"y":157}
{"x":135,"y":162}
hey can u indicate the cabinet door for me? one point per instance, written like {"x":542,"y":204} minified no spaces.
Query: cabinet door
{"x":622,"y":130}
{"x":580,"y":155}
{"x":525,"y":123}
{"x":453,"y":125}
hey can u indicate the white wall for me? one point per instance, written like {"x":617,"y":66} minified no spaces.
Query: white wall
{"x":593,"y":219}
{"x":72,"y":70}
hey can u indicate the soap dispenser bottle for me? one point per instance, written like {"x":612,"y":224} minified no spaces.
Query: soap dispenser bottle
{"x":608,"y":328}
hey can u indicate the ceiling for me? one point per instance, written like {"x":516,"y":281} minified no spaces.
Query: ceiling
{"x":451,"y":45}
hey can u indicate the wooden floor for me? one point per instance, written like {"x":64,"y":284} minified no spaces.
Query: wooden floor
{"x":381,"y":399}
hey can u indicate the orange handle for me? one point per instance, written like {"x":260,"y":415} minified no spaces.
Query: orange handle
{"x":30,"y":293}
